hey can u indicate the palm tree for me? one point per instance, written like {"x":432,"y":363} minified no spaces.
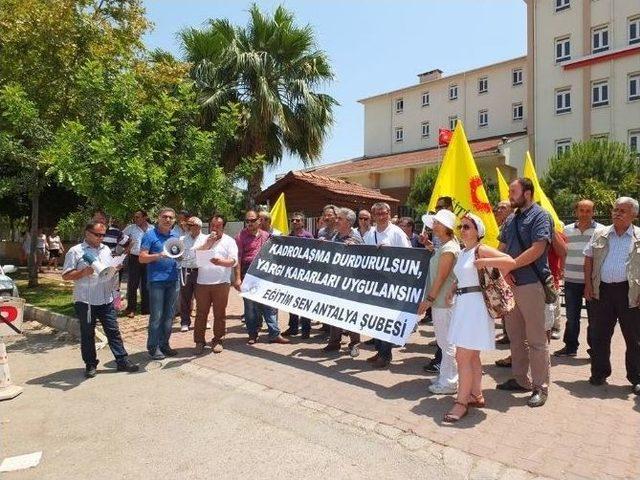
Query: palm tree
{"x":271,"y":68}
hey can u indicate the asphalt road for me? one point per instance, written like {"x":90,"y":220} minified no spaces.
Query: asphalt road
{"x":174,"y":421}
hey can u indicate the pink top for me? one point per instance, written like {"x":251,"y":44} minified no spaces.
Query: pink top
{"x":249,"y":245}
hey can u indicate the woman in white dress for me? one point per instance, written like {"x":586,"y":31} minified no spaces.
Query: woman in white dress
{"x":472,"y":330}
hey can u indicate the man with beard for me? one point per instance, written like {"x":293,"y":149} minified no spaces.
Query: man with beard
{"x":526,"y":236}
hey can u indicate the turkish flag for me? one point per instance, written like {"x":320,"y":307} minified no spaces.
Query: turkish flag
{"x":444,"y":137}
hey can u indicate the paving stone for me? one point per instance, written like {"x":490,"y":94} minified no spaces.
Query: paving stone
{"x":388,"y":431}
{"x":485,"y":469}
{"x":458,"y":460}
{"x":412,"y":442}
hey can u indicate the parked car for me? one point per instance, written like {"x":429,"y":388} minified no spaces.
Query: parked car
{"x":8,"y":287}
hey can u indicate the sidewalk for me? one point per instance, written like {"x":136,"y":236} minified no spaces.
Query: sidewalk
{"x":582,"y":431}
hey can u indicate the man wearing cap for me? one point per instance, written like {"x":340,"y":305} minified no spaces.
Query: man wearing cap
{"x":189,"y":269}
{"x":526,"y":236}
{"x":384,"y":234}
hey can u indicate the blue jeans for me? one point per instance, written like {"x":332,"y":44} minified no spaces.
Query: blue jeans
{"x":296,"y":322}
{"x":254,"y":313}
{"x":162,"y":306}
{"x":573,"y":293}
{"x":107,"y":316}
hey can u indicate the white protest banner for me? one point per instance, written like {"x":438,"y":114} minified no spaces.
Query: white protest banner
{"x":360,"y":288}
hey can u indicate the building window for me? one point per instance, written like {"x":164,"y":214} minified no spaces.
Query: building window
{"x":452,"y":122}
{"x":425,"y":99}
{"x":518,"y":111}
{"x":562,"y":5}
{"x":425,"y":129}
{"x":399,"y":134}
{"x":634,"y":30}
{"x":634,"y":141}
{"x":563,"y":100}
{"x":600,"y":93}
{"x":634,"y":87}
{"x":483,"y":85}
{"x":399,"y":105}
{"x":453,"y":92}
{"x":563,"y":49}
{"x":600,"y":39}
{"x":563,"y":146}
{"x":516,"y":77}
{"x":483,"y":118}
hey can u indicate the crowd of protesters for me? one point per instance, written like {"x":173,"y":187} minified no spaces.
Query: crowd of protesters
{"x":595,"y":263}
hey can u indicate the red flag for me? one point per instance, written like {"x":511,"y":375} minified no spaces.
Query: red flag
{"x":444,"y":137}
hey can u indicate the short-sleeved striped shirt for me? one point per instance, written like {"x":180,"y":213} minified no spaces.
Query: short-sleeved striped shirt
{"x":576,"y":241}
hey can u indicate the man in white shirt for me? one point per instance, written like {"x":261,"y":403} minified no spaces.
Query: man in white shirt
{"x":213,"y":284}
{"x":93,"y":299}
{"x":193,"y":240}
{"x":384,"y":234}
{"x":137,"y":272}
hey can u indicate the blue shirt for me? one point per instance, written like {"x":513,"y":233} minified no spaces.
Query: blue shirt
{"x":534,"y":224}
{"x":614,"y":265}
{"x":165,"y":269}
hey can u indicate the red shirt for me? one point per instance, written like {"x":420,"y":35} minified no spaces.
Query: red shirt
{"x":555,"y":263}
{"x":249,"y":246}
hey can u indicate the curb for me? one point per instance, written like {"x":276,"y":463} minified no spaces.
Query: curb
{"x":60,"y":322}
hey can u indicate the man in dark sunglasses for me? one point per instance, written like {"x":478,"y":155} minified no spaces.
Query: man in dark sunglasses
{"x":296,"y":322}
{"x":250,"y":240}
{"x":93,"y":298}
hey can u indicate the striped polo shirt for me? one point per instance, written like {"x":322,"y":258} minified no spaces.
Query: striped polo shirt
{"x":576,"y":242}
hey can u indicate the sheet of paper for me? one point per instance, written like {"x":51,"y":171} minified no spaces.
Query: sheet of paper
{"x":20,"y":462}
{"x":203,"y":257}
{"x":116,"y":261}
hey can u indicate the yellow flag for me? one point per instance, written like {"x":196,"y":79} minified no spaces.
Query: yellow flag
{"x":459,"y":179}
{"x":503,"y":186}
{"x":279,"y":218}
{"x":538,"y":195}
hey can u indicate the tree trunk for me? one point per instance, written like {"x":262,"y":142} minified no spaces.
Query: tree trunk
{"x":32,"y":261}
{"x":254,"y":187}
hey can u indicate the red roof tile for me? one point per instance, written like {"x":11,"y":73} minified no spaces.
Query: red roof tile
{"x":417,"y":158}
{"x":330,"y":184}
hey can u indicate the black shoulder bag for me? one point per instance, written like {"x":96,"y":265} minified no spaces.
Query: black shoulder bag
{"x":550,"y":292}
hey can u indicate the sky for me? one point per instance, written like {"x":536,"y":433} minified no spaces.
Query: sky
{"x":374,"y":46}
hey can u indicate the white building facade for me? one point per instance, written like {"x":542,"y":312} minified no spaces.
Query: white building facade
{"x":490,"y":101}
{"x":583,"y":73}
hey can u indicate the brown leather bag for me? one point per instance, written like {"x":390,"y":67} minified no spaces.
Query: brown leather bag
{"x":498,"y":296}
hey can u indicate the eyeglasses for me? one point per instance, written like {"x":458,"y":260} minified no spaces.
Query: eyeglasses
{"x":296,"y":220}
{"x":168,"y":217}
{"x":465,"y":226}
{"x":251,"y":220}
{"x":192,"y":225}
{"x":99,"y":235}
{"x":364,"y":218}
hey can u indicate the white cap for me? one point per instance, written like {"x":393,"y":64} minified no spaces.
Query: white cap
{"x":479,"y":224}
{"x":445,"y":217}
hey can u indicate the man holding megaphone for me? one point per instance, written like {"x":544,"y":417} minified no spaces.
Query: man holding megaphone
{"x":89,"y":266}
{"x":160,"y":247}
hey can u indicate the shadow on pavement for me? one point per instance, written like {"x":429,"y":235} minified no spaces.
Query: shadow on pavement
{"x":583,"y":389}
{"x":63,"y":380}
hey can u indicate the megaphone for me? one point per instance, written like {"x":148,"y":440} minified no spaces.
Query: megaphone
{"x":101,"y":270}
{"x":173,"y":248}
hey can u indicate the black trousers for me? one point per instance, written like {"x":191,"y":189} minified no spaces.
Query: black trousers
{"x":137,"y":279}
{"x":612,"y":307}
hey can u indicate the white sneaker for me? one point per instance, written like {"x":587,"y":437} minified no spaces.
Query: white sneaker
{"x":208,"y":325}
{"x":438,"y":389}
{"x":184,"y":328}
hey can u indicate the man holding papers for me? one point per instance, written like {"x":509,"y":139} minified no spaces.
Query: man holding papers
{"x":215,"y":260}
